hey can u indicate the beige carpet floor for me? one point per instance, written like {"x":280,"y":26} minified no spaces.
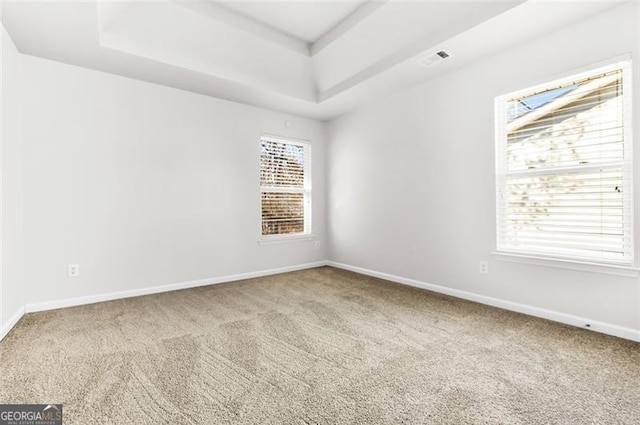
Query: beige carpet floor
{"x":319,"y":346}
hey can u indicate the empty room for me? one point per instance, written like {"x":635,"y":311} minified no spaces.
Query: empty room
{"x":320,"y":212}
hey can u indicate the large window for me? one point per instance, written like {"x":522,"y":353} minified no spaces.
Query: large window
{"x":563,"y":168}
{"x":285,"y":187}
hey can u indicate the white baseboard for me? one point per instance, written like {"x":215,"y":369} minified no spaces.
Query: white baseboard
{"x":4,"y":330}
{"x":606,"y":328}
{"x":581,"y":322}
{"x":90,"y":299}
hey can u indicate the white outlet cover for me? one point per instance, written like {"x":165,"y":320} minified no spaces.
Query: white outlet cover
{"x":73,"y":270}
{"x":484,"y":267}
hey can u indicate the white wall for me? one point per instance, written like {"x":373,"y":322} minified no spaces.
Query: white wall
{"x":143,"y":185}
{"x":411,"y":178}
{"x":11,"y":187}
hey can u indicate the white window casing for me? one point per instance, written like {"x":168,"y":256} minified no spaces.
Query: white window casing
{"x":564,"y":169}
{"x":285,"y":188}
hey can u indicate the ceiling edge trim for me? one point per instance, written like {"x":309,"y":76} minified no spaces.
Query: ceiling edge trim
{"x":431,"y":44}
{"x":345,"y":25}
{"x":246,"y":23}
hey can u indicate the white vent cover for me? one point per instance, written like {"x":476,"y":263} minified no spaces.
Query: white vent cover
{"x":433,"y":58}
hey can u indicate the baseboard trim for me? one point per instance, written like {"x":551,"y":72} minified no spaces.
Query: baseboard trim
{"x":6,"y":328}
{"x":581,"y":322}
{"x":91,"y":299}
{"x":568,"y":319}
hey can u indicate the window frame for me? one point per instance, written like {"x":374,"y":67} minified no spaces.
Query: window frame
{"x":306,"y":191}
{"x":504,"y":251}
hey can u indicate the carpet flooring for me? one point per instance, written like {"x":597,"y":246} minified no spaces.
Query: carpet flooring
{"x":320,"y":346}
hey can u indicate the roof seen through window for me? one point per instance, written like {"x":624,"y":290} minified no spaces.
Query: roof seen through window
{"x":524,"y":105}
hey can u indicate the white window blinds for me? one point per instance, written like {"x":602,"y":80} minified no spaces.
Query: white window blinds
{"x":285,"y":187}
{"x":563,"y":168}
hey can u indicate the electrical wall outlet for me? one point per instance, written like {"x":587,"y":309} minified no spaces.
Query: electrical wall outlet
{"x":74,"y":270}
{"x":483,"y":267}
{"x":317,"y":244}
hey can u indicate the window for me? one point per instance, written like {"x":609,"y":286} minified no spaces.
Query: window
{"x":285,"y":187}
{"x":563,"y":169}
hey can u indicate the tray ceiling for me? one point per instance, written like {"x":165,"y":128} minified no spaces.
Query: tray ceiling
{"x":306,"y":20}
{"x":311,"y":58}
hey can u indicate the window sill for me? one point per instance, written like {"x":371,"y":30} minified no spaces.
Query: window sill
{"x":270,"y":240}
{"x":584,"y":266}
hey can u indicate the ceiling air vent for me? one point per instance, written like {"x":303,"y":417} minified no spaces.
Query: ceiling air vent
{"x":433,"y":58}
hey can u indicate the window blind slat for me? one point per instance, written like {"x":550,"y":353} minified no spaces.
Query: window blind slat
{"x":285,"y":187}
{"x":563,"y":171}
{"x":611,"y":86}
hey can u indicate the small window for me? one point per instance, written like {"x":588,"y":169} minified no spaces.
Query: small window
{"x":563,"y":168}
{"x":285,"y":187}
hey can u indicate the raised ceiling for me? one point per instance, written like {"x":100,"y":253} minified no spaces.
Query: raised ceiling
{"x":306,"y":20}
{"x":311,"y":58}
